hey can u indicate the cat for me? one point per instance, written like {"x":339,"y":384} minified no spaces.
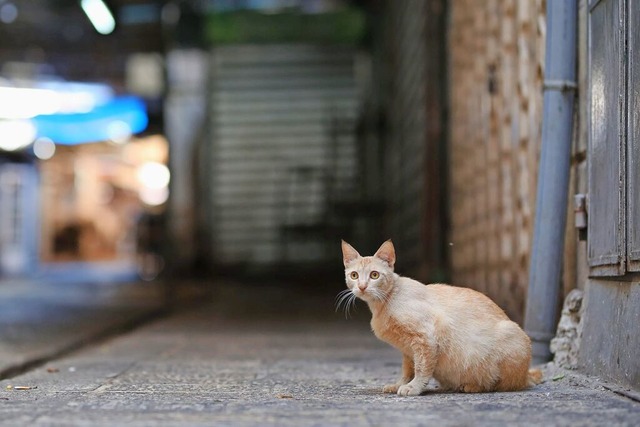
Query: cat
{"x":455,"y":335}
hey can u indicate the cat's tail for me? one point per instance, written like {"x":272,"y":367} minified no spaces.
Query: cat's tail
{"x":535,"y":377}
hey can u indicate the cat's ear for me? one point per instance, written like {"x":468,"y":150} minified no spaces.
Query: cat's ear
{"x":349,"y":254}
{"x":387,"y":253}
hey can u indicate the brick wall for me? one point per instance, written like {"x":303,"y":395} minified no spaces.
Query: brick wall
{"x":496,"y":55}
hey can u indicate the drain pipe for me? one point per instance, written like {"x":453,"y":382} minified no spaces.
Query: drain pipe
{"x":553,"y":177}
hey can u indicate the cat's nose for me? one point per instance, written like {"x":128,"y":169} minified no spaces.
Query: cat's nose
{"x":362,"y":286}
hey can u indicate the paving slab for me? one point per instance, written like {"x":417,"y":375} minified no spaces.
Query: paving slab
{"x":42,"y":319}
{"x":245,"y":360}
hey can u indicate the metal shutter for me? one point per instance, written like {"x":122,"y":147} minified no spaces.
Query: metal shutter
{"x":282,"y":147}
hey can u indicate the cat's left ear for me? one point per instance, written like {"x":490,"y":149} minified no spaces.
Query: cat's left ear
{"x":387,"y":253}
{"x":349,"y":254}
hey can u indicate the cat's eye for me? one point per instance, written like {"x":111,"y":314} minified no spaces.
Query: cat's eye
{"x":354,"y":275}
{"x":374,"y":275}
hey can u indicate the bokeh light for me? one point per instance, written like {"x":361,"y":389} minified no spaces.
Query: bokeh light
{"x":8,"y":13}
{"x":44,"y":148}
{"x":16,"y":134}
{"x":154,"y":175}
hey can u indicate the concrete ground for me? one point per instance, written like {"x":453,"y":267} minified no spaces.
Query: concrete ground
{"x":273,"y":356}
{"x":44,"y":318}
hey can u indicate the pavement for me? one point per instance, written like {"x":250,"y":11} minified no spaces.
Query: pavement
{"x":252,"y":355}
{"x":41,"y":319}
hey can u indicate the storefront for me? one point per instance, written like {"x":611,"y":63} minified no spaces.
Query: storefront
{"x":75,"y":190}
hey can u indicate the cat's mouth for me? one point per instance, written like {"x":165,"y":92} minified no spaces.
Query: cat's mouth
{"x":360,"y":293}
{"x":346,"y":299}
{"x":363,"y":294}
{"x":371,"y":294}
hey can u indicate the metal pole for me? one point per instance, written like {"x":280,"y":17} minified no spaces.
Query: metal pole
{"x":553,"y":177}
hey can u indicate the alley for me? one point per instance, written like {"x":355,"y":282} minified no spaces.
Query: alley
{"x":260,"y":356}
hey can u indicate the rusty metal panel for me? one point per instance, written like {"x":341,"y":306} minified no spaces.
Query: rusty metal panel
{"x":633,"y":141}
{"x":606,"y":241}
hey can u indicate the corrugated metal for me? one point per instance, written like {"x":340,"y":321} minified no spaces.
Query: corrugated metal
{"x":282,"y":129}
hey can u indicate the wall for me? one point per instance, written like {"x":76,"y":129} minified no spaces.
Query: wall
{"x":413,"y":107}
{"x":185,"y":116}
{"x":610,"y":340}
{"x":496,"y":59}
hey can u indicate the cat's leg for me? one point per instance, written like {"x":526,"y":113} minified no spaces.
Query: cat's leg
{"x":407,"y":375}
{"x":424,"y":359}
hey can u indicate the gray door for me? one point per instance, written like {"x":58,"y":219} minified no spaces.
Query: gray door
{"x":614,"y":181}
{"x":633,"y":141}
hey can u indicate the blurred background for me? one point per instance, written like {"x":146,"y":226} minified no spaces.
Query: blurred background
{"x":244,"y":138}
{"x":228,"y":146}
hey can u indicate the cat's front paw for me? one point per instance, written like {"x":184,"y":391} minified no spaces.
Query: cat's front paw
{"x":409,"y":390}
{"x":391,"y":388}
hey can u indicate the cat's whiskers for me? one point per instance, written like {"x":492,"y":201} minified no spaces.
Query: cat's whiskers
{"x":352,"y":304}
{"x":347,"y":299}
{"x":380,"y":295}
{"x":342,"y":297}
{"x":344,"y":294}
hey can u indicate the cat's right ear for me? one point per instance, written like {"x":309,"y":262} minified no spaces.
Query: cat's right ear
{"x":349,"y":254}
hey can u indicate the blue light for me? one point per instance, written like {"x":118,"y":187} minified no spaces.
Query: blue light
{"x":95,"y":125}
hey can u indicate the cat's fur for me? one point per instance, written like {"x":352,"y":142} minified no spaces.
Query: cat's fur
{"x":456,"y":335}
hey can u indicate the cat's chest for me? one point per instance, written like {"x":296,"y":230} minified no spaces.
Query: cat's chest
{"x":391,"y":330}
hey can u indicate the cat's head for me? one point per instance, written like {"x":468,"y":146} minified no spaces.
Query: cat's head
{"x":370,"y":278}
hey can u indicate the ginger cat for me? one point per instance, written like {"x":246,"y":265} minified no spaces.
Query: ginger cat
{"x":456,"y":335}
